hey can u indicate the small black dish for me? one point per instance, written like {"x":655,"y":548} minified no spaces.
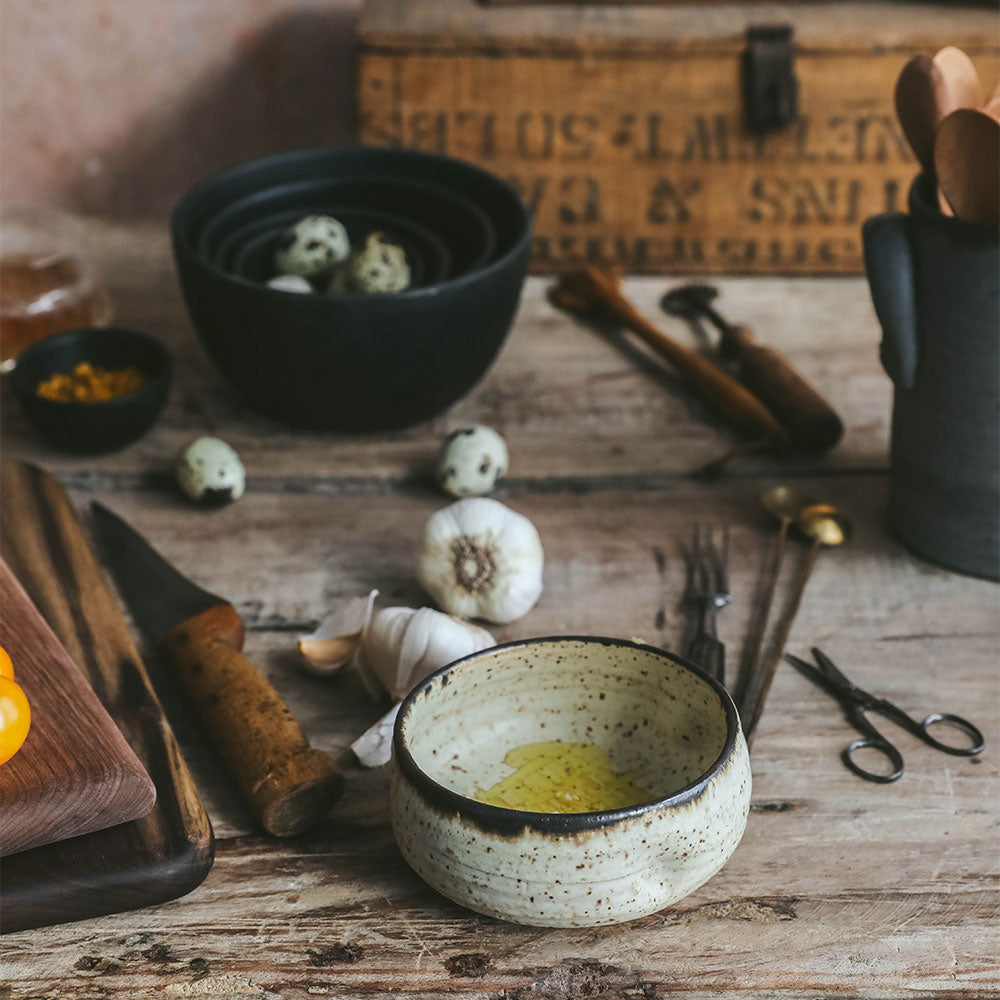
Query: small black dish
{"x":93,"y":428}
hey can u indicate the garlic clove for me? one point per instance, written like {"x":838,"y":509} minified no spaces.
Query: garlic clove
{"x":480,"y":559}
{"x":338,"y":637}
{"x":402,"y":646}
{"x":373,"y":747}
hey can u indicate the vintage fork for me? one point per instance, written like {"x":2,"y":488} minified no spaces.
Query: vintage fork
{"x":708,"y":591}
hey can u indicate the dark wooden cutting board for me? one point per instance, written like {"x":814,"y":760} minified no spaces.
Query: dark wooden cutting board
{"x":167,"y":852}
{"x":75,"y":773}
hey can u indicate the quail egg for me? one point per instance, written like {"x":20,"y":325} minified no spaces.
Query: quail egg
{"x":210,"y":472}
{"x":313,"y":247}
{"x":290,"y":283}
{"x":472,"y":459}
{"x":379,"y":266}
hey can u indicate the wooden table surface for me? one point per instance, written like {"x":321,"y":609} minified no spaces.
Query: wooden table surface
{"x":839,"y":888}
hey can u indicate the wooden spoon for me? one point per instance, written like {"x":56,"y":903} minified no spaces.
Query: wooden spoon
{"x":967,"y":163}
{"x":962,"y":79}
{"x":928,"y":89}
{"x":921,"y":92}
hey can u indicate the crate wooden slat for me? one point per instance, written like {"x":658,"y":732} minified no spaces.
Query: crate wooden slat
{"x":623,"y":126}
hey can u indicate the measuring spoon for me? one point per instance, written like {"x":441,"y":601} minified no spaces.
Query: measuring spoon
{"x":784,"y":502}
{"x":828,"y":527}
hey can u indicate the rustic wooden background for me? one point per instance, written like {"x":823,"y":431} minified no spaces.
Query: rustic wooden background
{"x":839,"y":888}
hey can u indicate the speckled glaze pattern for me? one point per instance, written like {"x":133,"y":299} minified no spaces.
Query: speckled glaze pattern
{"x":656,"y":715}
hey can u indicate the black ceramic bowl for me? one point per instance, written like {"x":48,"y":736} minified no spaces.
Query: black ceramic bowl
{"x":359,"y":362}
{"x":92,"y":428}
{"x":251,"y":252}
{"x":456,"y":221}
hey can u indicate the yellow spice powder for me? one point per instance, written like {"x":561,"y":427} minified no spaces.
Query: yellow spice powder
{"x":90,"y":384}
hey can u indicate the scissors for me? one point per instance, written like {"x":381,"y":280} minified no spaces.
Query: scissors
{"x":856,"y":703}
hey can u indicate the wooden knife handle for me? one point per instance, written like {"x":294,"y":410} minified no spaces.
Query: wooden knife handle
{"x":289,"y":785}
{"x":809,"y":419}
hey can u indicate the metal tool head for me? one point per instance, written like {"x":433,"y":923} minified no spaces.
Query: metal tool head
{"x":689,"y":300}
{"x":158,"y":597}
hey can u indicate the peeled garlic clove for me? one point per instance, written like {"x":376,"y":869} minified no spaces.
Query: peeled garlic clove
{"x":373,"y":747}
{"x":472,"y":459}
{"x":480,"y":559}
{"x":338,"y":636}
{"x":402,"y":646}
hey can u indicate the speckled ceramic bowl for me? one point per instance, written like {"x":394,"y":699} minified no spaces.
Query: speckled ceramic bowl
{"x":658,"y":716}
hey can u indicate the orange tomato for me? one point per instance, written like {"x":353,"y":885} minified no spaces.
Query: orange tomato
{"x":15,"y":712}
{"x":6,"y":666}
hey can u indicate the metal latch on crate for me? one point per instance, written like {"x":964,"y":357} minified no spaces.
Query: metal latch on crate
{"x":770,"y":89}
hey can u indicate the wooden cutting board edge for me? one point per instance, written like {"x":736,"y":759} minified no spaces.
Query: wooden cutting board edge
{"x":161,"y":856}
{"x":76,"y":773}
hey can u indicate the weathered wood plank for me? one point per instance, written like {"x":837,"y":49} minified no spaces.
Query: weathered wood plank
{"x":839,"y":888}
{"x":573,"y":402}
{"x":625,"y":127}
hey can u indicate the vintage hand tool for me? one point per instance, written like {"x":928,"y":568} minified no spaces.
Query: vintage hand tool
{"x":809,"y":419}
{"x":857,"y":703}
{"x":596,"y":289}
{"x":288,"y":785}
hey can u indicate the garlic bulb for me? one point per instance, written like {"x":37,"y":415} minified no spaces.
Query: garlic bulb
{"x":480,"y":559}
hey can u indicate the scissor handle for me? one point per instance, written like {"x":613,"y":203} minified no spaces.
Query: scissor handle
{"x":880,"y":745}
{"x":959,"y":723}
{"x":871,"y":739}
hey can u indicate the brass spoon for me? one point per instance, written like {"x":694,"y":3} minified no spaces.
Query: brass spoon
{"x":828,"y":527}
{"x":784,"y":502}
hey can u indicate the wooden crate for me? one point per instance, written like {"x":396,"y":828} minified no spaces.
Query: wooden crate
{"x":624,"y":126}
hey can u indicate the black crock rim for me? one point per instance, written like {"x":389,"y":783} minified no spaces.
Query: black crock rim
{"x":181,"y":237}
{"x":504,"y":821}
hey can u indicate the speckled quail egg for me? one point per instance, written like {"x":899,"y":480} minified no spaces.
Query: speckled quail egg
{"x":290,"y":283}
{"x":210,"y":472}
{"x":312,"y":247}
{"x":378,"y":266}
{"x":472,"y":459}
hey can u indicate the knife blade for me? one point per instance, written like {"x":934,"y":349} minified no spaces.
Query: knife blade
{"x":288,"y":785}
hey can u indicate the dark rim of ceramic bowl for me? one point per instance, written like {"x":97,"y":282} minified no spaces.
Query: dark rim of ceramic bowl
{"x":155,"y":377}
{"x":327,"y":197}
{"x":508,"y":822}
{"x":182,"y":235}
{"x":428,"y":247}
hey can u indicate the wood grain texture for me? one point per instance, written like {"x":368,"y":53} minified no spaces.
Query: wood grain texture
{"x":75,"y":773}
{"x":839,"y":888}
{"x":624,"y":126}
{"x":168,"y":850}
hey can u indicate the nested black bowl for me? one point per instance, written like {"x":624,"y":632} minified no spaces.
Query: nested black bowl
{"x":94,"y":428}
{"x":457,"y":221}
{"x":358,"y":362}
{"x":251,"y":254}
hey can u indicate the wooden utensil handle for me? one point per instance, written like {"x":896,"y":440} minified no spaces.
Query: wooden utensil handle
{"x":810,"y":420}
{"x":737,"y":403}
{"x":289,"y":785}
